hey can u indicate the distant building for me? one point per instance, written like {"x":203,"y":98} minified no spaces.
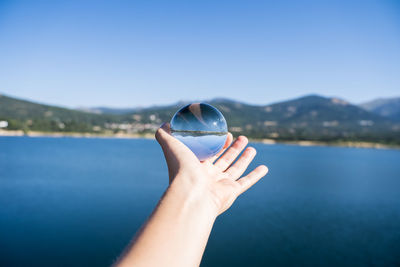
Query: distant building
{"x":3,"y":124}
{"x":365,"y":122}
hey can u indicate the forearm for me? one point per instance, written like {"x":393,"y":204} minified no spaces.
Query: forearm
{"x":177,"y":232}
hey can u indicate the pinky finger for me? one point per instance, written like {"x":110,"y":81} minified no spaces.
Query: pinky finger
{"x":250,"y":179}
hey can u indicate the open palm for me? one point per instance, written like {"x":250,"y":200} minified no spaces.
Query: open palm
{"x":217,"y":178}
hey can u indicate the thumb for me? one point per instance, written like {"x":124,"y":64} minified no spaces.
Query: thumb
{"x":165,"y":139}
{"x":175,"y":152}
{"x":163,"y":133}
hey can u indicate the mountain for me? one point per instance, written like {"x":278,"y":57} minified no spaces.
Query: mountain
{"x":319,"y":118}
{"x":387,"y":107}
{"x":310,"y":117}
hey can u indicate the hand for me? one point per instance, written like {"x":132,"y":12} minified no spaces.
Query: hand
{"x":179,"y":227}
{"x":215,"y":180}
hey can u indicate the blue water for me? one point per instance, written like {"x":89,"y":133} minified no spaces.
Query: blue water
{"x":77,"y":202}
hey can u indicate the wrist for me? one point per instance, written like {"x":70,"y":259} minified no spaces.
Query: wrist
{"x":192,"y":197}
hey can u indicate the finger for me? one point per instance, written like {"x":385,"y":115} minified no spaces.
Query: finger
{"x":166,"y":140}
{"x":166,"y":127}
{"x":230,"y":155}
{"x":228,"y":142}
{"x":161,"y":132}
{"x":253,"y":177}
{"x":237,"y":169}
{"x":163,"y":135}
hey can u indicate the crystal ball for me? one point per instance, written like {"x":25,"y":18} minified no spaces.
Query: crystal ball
{"x":201,"y":127}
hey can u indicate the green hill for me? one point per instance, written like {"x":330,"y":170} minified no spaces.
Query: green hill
{"x":28,"y":116}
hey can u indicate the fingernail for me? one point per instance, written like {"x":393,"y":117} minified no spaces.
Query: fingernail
{"x":165,"y":127}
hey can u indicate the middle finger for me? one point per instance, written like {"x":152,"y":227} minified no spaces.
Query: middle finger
{"x":230,"y":155}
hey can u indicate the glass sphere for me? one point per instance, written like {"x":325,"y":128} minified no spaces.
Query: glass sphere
{"x":201,"y":127}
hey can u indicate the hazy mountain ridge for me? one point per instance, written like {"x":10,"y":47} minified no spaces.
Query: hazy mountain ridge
{"x":310,"y":117}
{"x":107,"y":110}
{"x":387,"y":107}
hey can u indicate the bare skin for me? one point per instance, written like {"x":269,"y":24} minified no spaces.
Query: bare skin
{"x":176,"y":233}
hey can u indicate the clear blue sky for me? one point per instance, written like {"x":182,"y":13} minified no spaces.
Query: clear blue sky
{"x":130,"y":53}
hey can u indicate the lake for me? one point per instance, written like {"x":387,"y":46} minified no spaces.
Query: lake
{"x":78,"y":202}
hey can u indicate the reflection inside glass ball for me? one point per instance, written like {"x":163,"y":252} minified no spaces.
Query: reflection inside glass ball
{"x":201,"y":127}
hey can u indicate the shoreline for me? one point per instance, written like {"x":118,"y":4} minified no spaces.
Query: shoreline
{"x":20,"y":133}
{"x":308,"y":143}
{"x":303,"y":143}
